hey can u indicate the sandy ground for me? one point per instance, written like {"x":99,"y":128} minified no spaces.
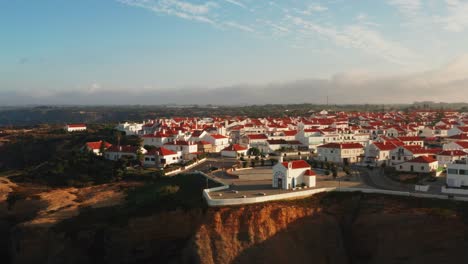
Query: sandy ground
{"x":66,"y":202}
{"x":6,"y":186}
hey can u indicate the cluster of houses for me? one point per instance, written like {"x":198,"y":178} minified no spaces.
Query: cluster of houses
{"x":418,"y":141}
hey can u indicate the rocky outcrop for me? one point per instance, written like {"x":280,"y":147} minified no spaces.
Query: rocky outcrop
{"x":327,"y":228}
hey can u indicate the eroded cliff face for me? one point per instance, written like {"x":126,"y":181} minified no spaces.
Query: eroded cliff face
{"x":270,"y":233}
{"x":350,"y":228}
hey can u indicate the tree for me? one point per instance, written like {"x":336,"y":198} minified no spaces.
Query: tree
{"x":102,"y":147}
{"x":140,"y":157}
{"x":253,"y":152}
{"x":252,"y":163}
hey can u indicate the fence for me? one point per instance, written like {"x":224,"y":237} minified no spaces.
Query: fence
{"x":185,"y":168}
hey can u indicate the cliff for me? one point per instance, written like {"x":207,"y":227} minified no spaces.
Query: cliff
{"x":326,"y":228}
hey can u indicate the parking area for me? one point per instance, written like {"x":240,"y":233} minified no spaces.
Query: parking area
{"x":258,"y":182}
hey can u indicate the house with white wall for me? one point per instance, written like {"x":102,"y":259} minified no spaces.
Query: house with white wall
{"x":75,"y":127}
{"x":157,"y":139}
{"x":292,"y":174}
{"x":234,"y":151}
{"x":218,"y":142}
{"x":449,"y":156}
{"x":457,"y":145}
{"x":457,"y":174}
{"x":340,"y":152}
{"x":421,"y":164}
{"x":95,"y":146}
{"x":378,"y":153}
{"x":162,"y":157}
{"x":118,"y":152}
{"x":189,"y":149}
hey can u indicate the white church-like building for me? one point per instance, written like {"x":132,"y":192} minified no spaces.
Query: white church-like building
{"x":292,"y":174}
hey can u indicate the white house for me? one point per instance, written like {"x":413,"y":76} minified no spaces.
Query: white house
{"x":75,"y":127}
{"x":457,"y":131}
{"x":340,"y":152}
{"x":448,"y":156}
{"x":95,"y":147}
{"x":234,"y":151}
{"x":410,"y":141}
{"x":422,"y":164}
{"x":218,"y":142}
{"x":189,"y":149}
{"x":157,"y":139}
{"x":162,"y":157}
{"x":457,"y":174}
{"x":289,"y":175}
{"x":378,"y":153}
{"x":118,"y":152}
{"x":130,"y":128}
{"x":458,"y":145}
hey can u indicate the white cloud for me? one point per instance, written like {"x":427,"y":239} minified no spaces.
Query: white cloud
{"x":407,"y":7}
{"x":181,"y":9}
{"x":361,"y":38}
{"x":237,"y":3}
{"x":456,"y":19}
{"x":238,"y":26}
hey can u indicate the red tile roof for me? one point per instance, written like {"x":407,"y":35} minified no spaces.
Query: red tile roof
{"x":235,"y":147}
{"x":453,"y":153}
{"x":97,"y":145}
{"x":257,"y":136}
{"x":161,"y":151}
{"x":76,"y":125}
{"x":297,"y":164}
{"x":310,"y":173}
{"x":423,"y":159}
{"x":218,"y":136}
{"x":342,"y":145}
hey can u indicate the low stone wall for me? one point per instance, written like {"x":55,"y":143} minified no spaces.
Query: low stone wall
{"x":304,"y":193}
{"x":259,"y":199}
{"x":185,"y":168}
{"x":454,"y":191}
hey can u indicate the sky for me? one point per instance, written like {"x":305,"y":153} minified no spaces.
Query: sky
{"x":232,"y":51}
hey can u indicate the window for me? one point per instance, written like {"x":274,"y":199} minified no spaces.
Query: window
{"x":401,"y":167}
{"x":422,"y":168}
{"x":452,"y":171}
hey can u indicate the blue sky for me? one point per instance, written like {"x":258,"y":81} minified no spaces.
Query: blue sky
{"x":87,"y":46}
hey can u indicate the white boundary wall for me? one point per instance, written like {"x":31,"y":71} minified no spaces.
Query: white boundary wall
{"x":185,"y":168}
{"x":454,"y":191}
{"x":304,"y":193}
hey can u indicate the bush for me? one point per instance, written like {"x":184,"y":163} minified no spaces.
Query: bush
{"x":327,"y":172}
{"x":347,"y":170}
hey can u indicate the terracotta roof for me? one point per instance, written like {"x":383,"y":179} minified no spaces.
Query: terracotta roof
{"x":125,"y":149}
{"x":257,"y":136}
{"x":97,"y":145}
{"x":422,"y":159}
{"x":296,"y":164}
{"x":385,"y":145}
{"x":290,"y":132}
{"x":462,"y":144}
{"x":235,"y":147}
{"x":310,"y":173}
{"x":161,"y":151}
{"x":453,"y":153}
{"x":217,"y":136}
{"x":342,"y":145}
{"x":76,"y":125}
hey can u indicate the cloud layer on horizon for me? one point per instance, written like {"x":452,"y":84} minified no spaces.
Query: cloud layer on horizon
{"x":447,"y":84}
